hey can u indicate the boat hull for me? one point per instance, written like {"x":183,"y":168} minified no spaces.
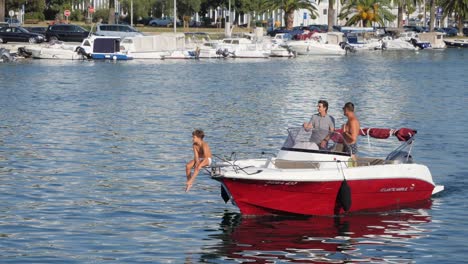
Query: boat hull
{"x":461,"y":43}
{"x":311,"y":48}
{"x":264,"y":197}
{"x":110,"y":56}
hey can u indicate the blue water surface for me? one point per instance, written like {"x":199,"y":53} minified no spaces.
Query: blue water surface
{"x":92,"y":157}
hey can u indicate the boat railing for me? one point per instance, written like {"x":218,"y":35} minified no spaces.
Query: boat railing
{"x":403,"y":152}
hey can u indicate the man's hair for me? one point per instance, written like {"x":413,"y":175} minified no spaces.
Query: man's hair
{"x":198,"y":133}
{"x":349,"y":106}
{"x":324,"y":103}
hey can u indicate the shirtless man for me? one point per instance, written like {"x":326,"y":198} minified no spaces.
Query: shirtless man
{"x":201,"y":157}
{"x":351,"y":129}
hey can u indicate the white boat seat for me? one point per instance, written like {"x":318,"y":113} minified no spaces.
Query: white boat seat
{"x":295,"y":164}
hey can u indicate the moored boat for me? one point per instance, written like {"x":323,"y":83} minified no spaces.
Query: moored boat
{"x":319,"y":44}
{"x":456,"y":43}
{"x":104,"y":48}
{"x":307,"y":180}
{"x":56,"y":51}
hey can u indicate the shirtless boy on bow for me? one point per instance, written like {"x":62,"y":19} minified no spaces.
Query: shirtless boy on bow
{"x":201,"y":158}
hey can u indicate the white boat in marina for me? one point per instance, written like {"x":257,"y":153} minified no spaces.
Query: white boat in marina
{"x":372,"y":44}
{"x":397,"y":44}
{"x":319,"y":44}
{"x":179,"y":49}
{"x":204,"y":46}
{"x":458,"y":43}
{"x":181,"y":55}
{"x":149,"y":47}
{"x":104,"y":48}
{"x":243,"y":48}
{"x":279,"y":46}
{"x":281,"y":51}
{"x":56,"y":51}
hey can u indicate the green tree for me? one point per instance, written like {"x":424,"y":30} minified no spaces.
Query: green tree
{"x":143,"y":8}
{"x":289,"y":7}
{"x":459,"y":8}
{"x":367,"y":12}
{"x":251,"y":7}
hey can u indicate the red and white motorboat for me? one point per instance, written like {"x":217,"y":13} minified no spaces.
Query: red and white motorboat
{"x":308,"y":180}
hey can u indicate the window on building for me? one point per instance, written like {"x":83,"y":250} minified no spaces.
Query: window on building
{"x":325,"y":11}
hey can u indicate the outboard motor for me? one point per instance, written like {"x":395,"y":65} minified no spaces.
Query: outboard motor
{"x":342,"y":44}
{"x":81,"y":51}
{"x":400,"y":157}
{"x":23,"y":52}
{"x":5,"y":55}
{"x":414,"y":42}
{"x":224,"y":53}
{"x":384,"y":45}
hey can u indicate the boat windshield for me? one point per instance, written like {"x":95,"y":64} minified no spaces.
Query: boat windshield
{"x":301,"y":139}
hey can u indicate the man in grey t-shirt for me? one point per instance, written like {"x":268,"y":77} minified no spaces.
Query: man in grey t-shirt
{"x":323,"y":122}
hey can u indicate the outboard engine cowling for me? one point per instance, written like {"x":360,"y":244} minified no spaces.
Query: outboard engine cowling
{"x":5,"y":55}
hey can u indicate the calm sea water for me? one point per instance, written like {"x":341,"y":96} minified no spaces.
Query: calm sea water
{"x":92,"y":157}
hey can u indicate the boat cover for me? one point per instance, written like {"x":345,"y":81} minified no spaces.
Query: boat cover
{"x":403,"y":134}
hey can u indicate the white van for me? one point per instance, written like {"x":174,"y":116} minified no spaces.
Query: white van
{"x":117,"y":30}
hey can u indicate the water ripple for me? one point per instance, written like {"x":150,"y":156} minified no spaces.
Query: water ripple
{"x":92,"y":157}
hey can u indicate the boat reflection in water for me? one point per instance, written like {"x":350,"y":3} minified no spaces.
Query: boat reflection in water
{"x":358,"y":238}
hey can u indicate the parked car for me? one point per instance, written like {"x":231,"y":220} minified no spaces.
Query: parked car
{"x":163,"y":22}
{"x":13,"y":22}
{"x":117,"y":30}
{"x":450,"y":31}
{"x":414,"y":28}
{"x":66,"y":32}
{"x":465,"y":31}
{"x":39,"y":30}
{"x":144,"y":20}
{"x":19,"y":34}
{"x":319,"y":27}
{"x":277,"y":31}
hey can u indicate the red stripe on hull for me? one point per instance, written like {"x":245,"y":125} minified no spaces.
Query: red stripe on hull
{"x":254,"y":197}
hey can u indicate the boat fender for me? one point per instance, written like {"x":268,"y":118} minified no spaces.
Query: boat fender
{"x":224,"y":194}
{"x":344,"y":196}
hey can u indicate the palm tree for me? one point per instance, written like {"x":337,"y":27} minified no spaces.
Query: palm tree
{"x":331,"y":14}
{"x":459,"y":8}
{"x":432,"y":15}
{"x":111,"y":12}
{"x":289,"y":7}
{"x":366,"y":12}
{"x":401,"y":4}
{"x":2,"y":10}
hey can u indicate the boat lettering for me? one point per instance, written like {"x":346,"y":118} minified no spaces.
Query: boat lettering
{"x":397,"y":189}
{"x":280,"y":183}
